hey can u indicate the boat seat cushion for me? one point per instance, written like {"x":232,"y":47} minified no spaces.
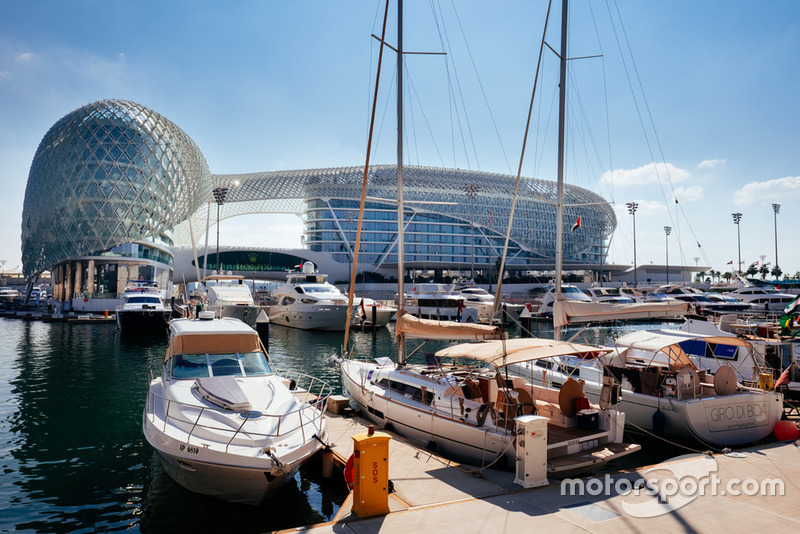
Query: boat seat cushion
{"x":224,"y":391}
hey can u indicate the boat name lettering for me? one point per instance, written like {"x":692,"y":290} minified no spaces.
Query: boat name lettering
{"x":730,"y":413}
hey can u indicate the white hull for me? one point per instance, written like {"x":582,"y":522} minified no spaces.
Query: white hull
{"x":383,"y":315}
{"x":245,"y":313}
{"x":462,"y":430}
{"x":331,"y":317}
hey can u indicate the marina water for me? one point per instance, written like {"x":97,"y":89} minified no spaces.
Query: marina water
{"x":74,"y":458}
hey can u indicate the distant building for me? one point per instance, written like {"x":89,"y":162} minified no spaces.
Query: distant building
{"x":114,"y":186}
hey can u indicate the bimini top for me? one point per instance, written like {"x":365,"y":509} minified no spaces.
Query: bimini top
{"x":217,"y":336}
{"x":511,"y":351}
{"x":676,"y":344}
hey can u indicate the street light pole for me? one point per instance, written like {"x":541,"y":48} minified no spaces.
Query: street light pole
{"x":667,"y":230}
{"x":632,"y":210}
{"x":219,"y":196}
{"x":777,"y":209}
{"x":737,"y":217}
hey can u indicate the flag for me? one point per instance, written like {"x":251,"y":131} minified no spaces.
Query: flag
{"x":576,"y":225}
{"x":756,"y":263}
{"x":729,"y":263}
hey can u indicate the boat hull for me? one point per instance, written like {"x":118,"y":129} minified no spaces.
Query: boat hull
{"x":143,"y":321}
{"x":245,"y":313}
{"x":329,"y":317}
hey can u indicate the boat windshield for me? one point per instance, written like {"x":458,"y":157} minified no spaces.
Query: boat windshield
{"x":205,"y":365}
{"x":143,"y":300}
{"x":319,"y":288}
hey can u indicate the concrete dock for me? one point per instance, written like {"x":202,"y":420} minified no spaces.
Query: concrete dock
{"x":433,"y":494}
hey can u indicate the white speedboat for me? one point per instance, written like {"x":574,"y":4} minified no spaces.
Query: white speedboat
{"x":309,"y":302}
{"x":704,"y":302}
{"x":568,"y":292}
{"x":222,"y":421}
{"x":8,"y":294}
{"x":663,"y":391}
{"x":228,"y":296}
{"x":470,"y":411}
{"x":608,"y":294}
{"x":369,"y":312}
{"x":142,"y":309}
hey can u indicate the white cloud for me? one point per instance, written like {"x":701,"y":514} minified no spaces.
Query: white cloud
{"x":645,"y":207}
{"x":647,"y":174}
{"x":769,"y":191}
{"x":689,"y":194}
{"x":26,"y":56}
{"x":710,"y":163}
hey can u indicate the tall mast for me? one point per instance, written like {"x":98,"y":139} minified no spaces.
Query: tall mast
{"x":401,"y":344}
{"x":562,"y":98}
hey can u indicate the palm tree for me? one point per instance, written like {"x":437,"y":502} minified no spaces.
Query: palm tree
{"x":776,"y":272}
{"x":727,"y":276}
{"x":764,"y":270}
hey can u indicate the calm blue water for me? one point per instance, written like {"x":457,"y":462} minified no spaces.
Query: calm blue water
{"x":73,"y":455}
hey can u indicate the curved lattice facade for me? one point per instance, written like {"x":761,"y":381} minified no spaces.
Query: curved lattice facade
{"x":109,"y":173}
{"x":454,"y":218}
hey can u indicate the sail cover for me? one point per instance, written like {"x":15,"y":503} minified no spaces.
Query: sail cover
{"x":414,"y":328}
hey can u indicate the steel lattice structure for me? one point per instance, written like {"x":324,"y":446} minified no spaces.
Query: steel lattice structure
{"x":473,"y":199}
{"x":115,"y":172}
{"x":109,"y":173}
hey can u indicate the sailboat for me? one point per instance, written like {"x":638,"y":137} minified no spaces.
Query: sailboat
{"x":462,"y":401}
{"x":662,"y":390}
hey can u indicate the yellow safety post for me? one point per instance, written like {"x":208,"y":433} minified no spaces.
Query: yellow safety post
{"x":371,"y":473}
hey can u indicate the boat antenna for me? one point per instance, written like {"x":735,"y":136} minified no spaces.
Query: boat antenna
{"x":364,"y":184}
{"x":498,"y":293}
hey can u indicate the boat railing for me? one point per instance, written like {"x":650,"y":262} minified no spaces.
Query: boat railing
{"x":307,"y":418}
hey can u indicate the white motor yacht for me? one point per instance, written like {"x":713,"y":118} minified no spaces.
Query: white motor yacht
{"x":309,"y":302}
{"x":228,"y":296}
{"x":468,"y":408}
{"x":222,"y":421}
{"x":608,"y":294}
{"x":763,"y":298}
{"x":438,"y":302}
{"x":143,"y":309}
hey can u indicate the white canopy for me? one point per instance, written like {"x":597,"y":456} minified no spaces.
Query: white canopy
{"x":414,"y":328}
{"x":510,"y":351}
{"x":668,"y":342}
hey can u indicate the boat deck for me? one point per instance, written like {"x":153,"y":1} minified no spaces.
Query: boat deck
{"x":433,"y":493}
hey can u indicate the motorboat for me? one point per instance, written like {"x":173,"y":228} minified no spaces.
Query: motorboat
{"x":308,"y":301}
{"x":463,"y":404}
{"x":228,"y":296}
{"x":484,"y":303}
{"x":223,"y":422}
{"x":142,"y":309}
{"x":664,"y":392}
{"x":763,"y":298}
{"x":369,"y":312}
{"x":608,"y":294}
{"x":568,"y":293}
{"x":702,"y":302}
{"x":8,"y":294}
{"x":438,"y":302}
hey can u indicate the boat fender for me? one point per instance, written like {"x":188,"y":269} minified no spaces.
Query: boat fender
{"x":659,"y":422}
{"x":348,"y":471}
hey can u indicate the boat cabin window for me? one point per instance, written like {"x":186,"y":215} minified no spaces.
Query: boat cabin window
{"x":408,"y":391}
{"x":205,"y":365}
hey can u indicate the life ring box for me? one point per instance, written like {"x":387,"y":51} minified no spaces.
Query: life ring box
{"x":588,"y":419}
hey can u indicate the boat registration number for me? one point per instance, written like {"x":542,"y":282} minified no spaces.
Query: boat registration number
{"x":191,"y":449}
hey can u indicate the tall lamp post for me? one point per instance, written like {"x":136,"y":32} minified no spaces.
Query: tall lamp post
{"x":667,"y":230}
{"x":737,"y":217}
{"x":777,"y":209}
{"x":632,"y":210}
{"x":219,"y":196}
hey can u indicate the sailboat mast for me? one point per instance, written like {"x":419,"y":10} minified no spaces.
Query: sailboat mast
{"x":401,"y":348}
{"x":562,"y":98}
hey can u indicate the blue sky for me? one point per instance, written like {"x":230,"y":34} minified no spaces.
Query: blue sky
{"x":706,"y":111}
